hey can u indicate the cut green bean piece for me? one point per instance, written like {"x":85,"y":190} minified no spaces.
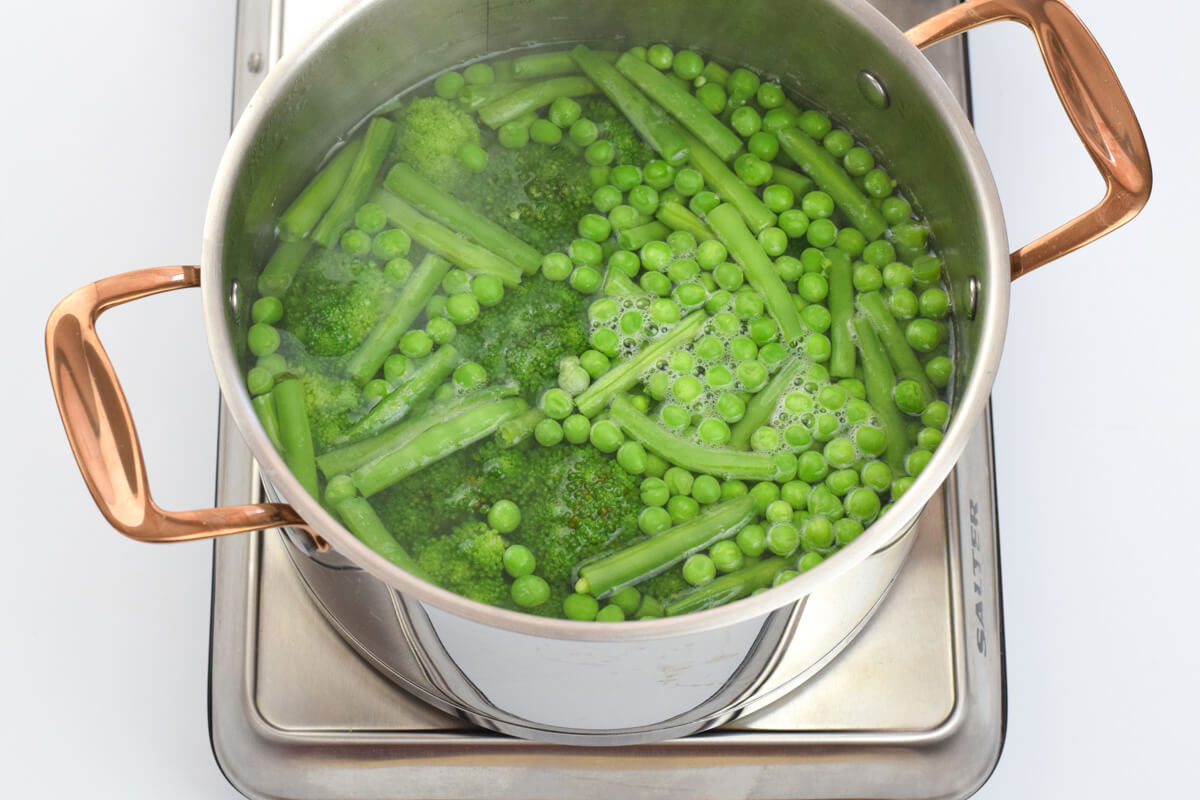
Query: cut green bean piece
{"x":762,"y":405}
{"x":727,"y":588}
{"x":681,"y":104}
{"x":383,"y":338}
{"x":295,"y":434}
{"x":315,"y":199}
{"x":531,"y":98}
{"x":436,"y":443}
{"x":721,"y":462}
{"x":678,"y":218}
{"x":474,"y":96}
{"x":617,"y":283}
{"x":264,"y":407}
{"x":277,"y":275}
{"x":722,"y":180}
{"x":365,"y":524}
{"x":828,"y":174}
{"x":359,"y":181}
{"x":540,"y":65}
{"x":432,"y":235}
{"x":350,"y":457}
{"x":649,"y":557}
{"x":625,"y":374}
{"x":759,"y":269}
{"x":908,"y":366}
{"x":648,"y":119}
{"x":879,"y":380}
{"x":396,"y":405}
{"x":635,"y":238}
{"x":841,"y":311}
{"x":799,"y":184}
{"x":406,"y":183}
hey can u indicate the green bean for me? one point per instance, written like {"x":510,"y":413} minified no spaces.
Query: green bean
{"x":617,"y":283}
{"x":722,"y":462}
{"x":264,"y":407}
{"x":648,"y":119}
{"x":841,"y":310}
{"x":649,"y":557}
{"x":759,"y":269}
{"x":365,"y":524}
{"x":819,"y":165}
{"x":295,"y":434}
{"x":879,"y":380}
{"x":677,"y":218}
{"x":635,"y":238}
{"x":727,"y":588}
{"x":722,"y":180}
{"x":762,"y":405}
{"x":315,"y":199}
{"x":361,"y":178}
{"x":382,"y":339}
{"x":436,"y":443}
{"x":625,"y":374}
{"x":681,"y":104}
{"x":518,"y":429}
{"x":475,"y":96}
{"x":434,"y":236}
{"x":530,"y":98}
{"x":396,"y":405}
{"x":559,"y":62}
{"x":799,"y":184}
{"x":405,"y":182}
{"x":277,"y":275}
{"x":908,"y":366}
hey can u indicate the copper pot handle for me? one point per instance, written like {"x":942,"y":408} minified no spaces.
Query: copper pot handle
{"x":101,"y":430}
{"x":1094,"y":101}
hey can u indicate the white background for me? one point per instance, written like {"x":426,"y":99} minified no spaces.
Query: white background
{"x":115,"y":117}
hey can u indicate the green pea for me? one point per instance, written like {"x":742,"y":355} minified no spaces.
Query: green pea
{"x":726,"y":556}
{"x":858,"y":161}
{"x":753,"y":375}
{"x":840,"y":452}
{"x":448,"y":85}
{"x":933,"y":303}
{"x":923,"y":335}
{"x":742,"y":84}
{"x":266,"y":310}
{"x":641,"y":402}
{"x":556,"y":403}
{"x":782,"y":538}
{"x":654,"y":519}
{"x":752,"y":169}
{"x":818,"y":347}
{"x":513,"y":135}
{"x":773,"y":240}
{"x":487,"y":289}
{"x":504,"y":516}
{"x":733,"y":488}
{"x":798,"y":437}
{"x":678,"y":480}
{"x":594,"y":362}
{"x":690,"y":295}
{"x":580,"y":607}
{"x":714,"y":432}
{"x":895,"y":210}
{"x":916,"y":461}
{"x":688,"y":65}
{"x":815,"y":124}
{"x":876,"y":475}
{"x":462,"y":308}
{"x":870,"y":440}
{"x":909,"y":397}
{"x":576,"y":428}
{"x":821,"y":233}
{"x":793,"y":222}
{"x":660,"y":56}
{"x":605,"y":199}
{"x":853,"y":387}
{"x":936,"y":414}
{"x":699,"y":570}
{"x":530,"y":591}
{"x":900,"y":486}
{"x":730,"y":407}
{"x":628,"y":600}
{"x":548,"y":432}
{"x":812,"y":287}
{"x":704,"y":202}
{"x":610,"y":613}
{"x":583,"y":132}
{"x":473,"y":157}
{"x":585,"y":252}
{"x":686,"y":389}
{"x":632,"y":458}
{"x":375,"y":390}
{"x":546,"y":132}
{"x":867,"y":278}
{"x":808,"y":561}
{"x":748,"y":304}
{"x":273,"y":363}
{"x":585,"y":280}
{"x":706,"y":489}
{"x":479,"y":74}
{"x":817,"y":205}
{"x":929,"y":438}
{"x":517,"y":558}
{"x":564,"y":112}
{"x":817,"y":534}
{"x":938,"y":370}
{"x":850,"y":241}
{"x":598,"y":153}
{"x":712,"y":97}
{"x":654,"y":492}
{"x":838,"y":143}
{"x":878,"y":184}
{"x":811,"y":467}
{"x":259,"y":381}
{"x":752,"y":540}
{"x":682,"y":270}
{"x":926,"y":269}
{"x":746,"y":121}
{"x":764,"y":439}
{"x":682,"y":508}
{"x":657,"y":385}
{"x":355,"y":242}
{"x":688,"y":181}
{"x":606,"y":436}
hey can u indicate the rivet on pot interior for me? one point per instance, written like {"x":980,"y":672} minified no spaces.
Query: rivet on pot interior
{"x":972,"y":296}
{"x":254,"y":62}
{"x":873,"y":90}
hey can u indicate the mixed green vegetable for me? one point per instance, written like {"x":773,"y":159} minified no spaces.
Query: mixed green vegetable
{"x":603,"y":336}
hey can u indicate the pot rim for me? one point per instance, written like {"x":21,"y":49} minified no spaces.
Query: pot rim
{"x":993,"y":305}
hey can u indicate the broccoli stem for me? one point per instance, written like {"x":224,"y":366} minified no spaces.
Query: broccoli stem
{"x":617,"y":284}
{"x":722,"y":180}
{"x":760,"y":270}
{"x":908,"y":366}
{"x":727,"y":588}
{"x":315,"y":199}
{"x":816,"y":161}
{"x":515,"y":431}
{"x":358,"y":183}
{"x":406,"y":183}
{"x":446,"y":243}
{"x":647,"y":119}
{"x":841,"y":310}
{"x":294,"y":433}
{"x":365,"y":524}
{"x":264,"y":407}
{"x":436,"y":443}
{"x":383,"y":338}
{"x":352,"y":456}
{"x":531,"y":98}
{"x":799,"y":184}
{"x":762,"y":405}
{"x":624,"y":375}
{"x":477,"y":95}
{"x":649,"y":557}
{"x":678,"y":218}
{"x":277,"y":275}
{"x":722,"y":462}
{"x":539,"y":65}
{"x":879,"y":380}
{"x":681,"y":104}
{"x":396,"y":405}
{"x":635,"y":238}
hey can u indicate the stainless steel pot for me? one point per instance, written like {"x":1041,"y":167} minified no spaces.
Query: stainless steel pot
{"x":557,"y":680}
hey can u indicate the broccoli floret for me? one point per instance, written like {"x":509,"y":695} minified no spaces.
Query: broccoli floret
{"x":446,"y":491}
{"x":526,"y":335}
{"x":431,"y":132}
{"x":334,"y":405}
{"x":611,"y":124}
{"x":334,"y":301}
{"x":468,"y":561}
{"x":537,"y":192}
{"x":665,"y":585}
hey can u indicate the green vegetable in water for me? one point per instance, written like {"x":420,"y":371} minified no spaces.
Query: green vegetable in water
{"x":568,"y":338}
